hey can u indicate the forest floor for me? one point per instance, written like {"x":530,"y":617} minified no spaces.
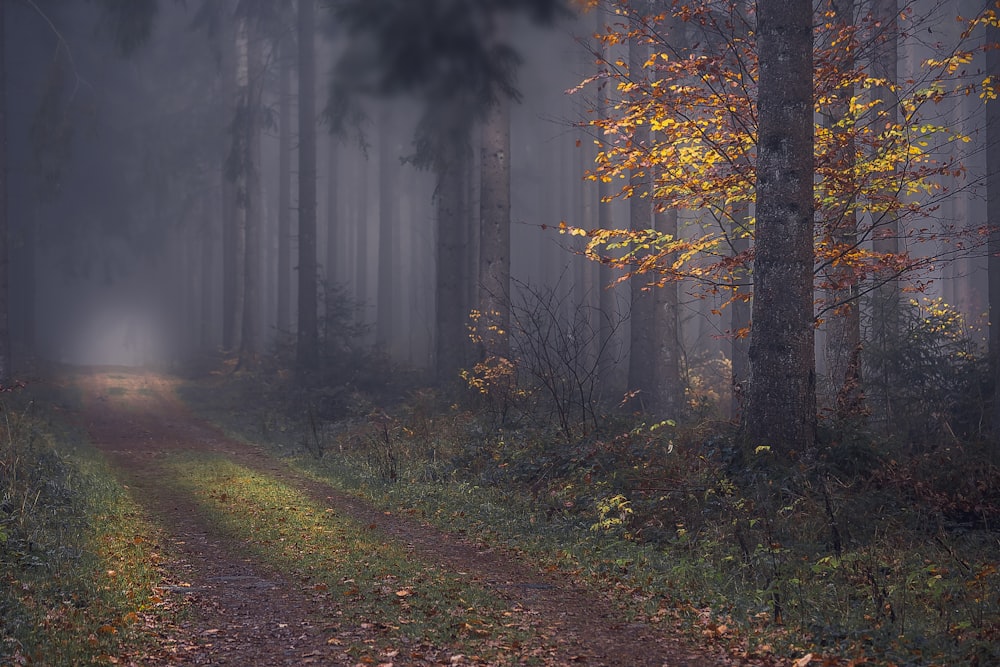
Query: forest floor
{"x":236,"y":608}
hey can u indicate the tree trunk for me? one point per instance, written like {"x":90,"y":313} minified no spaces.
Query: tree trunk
{"x":5,"y":354}
{"x":307,"y":349}
{"x":886,"y":297}
{"x":284,"y":295}
{"x":230,"y":265}
{"x":241,"y":207}
{"x":387,"y":168}
{"x":993,"y":218}
{"x":642,"y":371}
{"x":781,"y":410}
{"x":450,"y":339}
{"x":610,"y":342}
{"x":494,"y":239}
{"x":250,"y":340}
{"x":843,"y":343}
{"x":669,"y":395}
{"x":361,"y":236}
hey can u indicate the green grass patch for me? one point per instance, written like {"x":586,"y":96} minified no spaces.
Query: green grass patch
{"x":78,"y":566}
{"x":365,"y":579}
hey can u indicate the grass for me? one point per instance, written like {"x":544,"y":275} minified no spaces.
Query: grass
{"x":861,"y":566}
{"x":362,"y":580}
{"x":77,"y":560}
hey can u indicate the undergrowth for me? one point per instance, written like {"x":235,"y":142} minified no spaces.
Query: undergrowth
{"x":879,"y":547}
{"x":857,"y":556}
{"x":77,"y":565}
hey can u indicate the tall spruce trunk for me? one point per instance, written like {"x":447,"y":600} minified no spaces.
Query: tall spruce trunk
{"x":387,"y":194}
{"x":250,"y":336}
{"x":781,"y":410}
{"x":886,"y":296}
{"x":450,"y":332}
{"x":843,"y":343}
{"x":642,"y":376}
{"x":993,"y":218}
{"x":241,"y":184}
{"x":307,"y":348}
{"x":5,"y":352}
{"x":494,"y":221}
{"x":284,"y":291}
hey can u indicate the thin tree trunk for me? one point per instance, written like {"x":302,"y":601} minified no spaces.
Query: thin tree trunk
{"x":843,"y":343}
{"x":609,"y":334}
{"x":229,"y":210}
{"x":307,"y":349}
{"x":781,"y":411}
{"x":642,"y":372}
{"x":993,"y":218}
{"x":284,"y":295}
{"x":886,"y":297}
{"x":5,"y":352}
{"x":335,"y":271}
{"x":669,"y":395}
{"x":361,"y":237}
{"x":250,"y":342}
{"x":387,"y":194}
{"x":450,"y":338}
{"x":739,"y":311}
{"x":494,"y":221}
{"x":242,"y":185}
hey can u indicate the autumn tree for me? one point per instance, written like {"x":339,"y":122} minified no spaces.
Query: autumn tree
{"x":869,"y":167}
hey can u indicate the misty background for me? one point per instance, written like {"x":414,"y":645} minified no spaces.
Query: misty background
{"x":118,"y":188}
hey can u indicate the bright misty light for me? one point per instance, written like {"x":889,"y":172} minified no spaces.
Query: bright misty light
{"x":115,"y":335}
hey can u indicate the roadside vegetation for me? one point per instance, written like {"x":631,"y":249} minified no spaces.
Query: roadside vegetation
{"x":79,"y":568}
{"x":882,"y":548}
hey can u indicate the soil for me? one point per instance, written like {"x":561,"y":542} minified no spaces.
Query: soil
{"x":240,"y":612}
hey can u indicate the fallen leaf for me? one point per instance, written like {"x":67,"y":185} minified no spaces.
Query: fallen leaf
{"x":804,"y":660}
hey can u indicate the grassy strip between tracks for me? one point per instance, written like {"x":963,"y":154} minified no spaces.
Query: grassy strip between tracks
{"x":356,"y":578}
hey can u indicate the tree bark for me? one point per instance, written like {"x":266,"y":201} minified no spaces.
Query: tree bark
{"x":642,"y":380}
{"x":781,"y":411}
{"x":843,"y":343}
{"x":284,"y":295}
{"x":5,"y":352}
{"x":250,"y":339}
{"x":241,"y":182}
{"x":886,"y":296}
{"x":450,"y":332}
{"x":307,"y":348}
{"x":386,"y":229}
{"x":494,"y":239}
{"x":993,"y":218}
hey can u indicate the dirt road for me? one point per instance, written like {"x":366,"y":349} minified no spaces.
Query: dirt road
{"x":244,"y":613}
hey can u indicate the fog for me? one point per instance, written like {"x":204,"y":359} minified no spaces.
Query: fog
{"x":119,"y":185}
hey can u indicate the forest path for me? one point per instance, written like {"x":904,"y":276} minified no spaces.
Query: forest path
{"x":243,"y":611}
